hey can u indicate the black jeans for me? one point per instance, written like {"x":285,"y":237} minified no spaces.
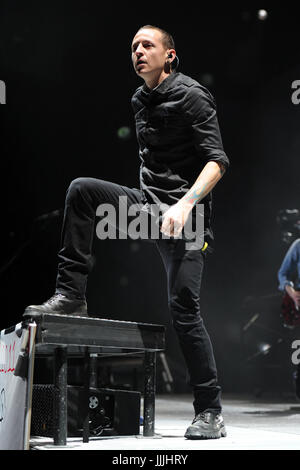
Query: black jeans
{"x":184,"y":270}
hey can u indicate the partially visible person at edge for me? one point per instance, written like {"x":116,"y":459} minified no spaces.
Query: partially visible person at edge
{"x":289,"y":283}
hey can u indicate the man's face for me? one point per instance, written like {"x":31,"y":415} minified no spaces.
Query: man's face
{"x":149,"y":54}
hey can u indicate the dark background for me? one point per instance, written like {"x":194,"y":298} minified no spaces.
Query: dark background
{"x":69,"y":80}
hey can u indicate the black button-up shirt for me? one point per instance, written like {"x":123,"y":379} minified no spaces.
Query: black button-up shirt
{"x":178,"y":133}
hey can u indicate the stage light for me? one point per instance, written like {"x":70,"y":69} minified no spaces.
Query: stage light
{"x":262,"y":15}
{"x":264,"y":348}
{"x":124,"y":133}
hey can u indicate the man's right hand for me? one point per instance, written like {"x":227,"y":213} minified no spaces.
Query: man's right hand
{"x":294,"y":294}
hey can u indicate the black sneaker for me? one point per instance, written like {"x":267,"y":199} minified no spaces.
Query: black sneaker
{"x":206,"y":425}
{"x":58,"y":304}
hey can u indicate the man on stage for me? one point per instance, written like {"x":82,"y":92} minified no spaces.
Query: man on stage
{"x":182,"y":159}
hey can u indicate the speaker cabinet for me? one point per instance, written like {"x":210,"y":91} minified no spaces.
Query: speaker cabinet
{"x":111,"y":412}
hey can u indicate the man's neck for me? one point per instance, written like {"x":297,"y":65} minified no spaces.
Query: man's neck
{"x":155,"y":81}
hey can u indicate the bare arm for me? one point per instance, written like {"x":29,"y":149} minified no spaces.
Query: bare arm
{"x":206,"y":181}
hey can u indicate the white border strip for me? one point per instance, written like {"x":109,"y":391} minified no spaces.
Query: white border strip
{"x":31,"y":353}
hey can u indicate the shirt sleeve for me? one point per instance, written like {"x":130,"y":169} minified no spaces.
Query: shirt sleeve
{"x":200,"y":112}
{"x":288,"y":267}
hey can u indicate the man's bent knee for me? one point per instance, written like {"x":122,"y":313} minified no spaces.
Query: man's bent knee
{"x":185,"y":321}
{"x":78,"y":185}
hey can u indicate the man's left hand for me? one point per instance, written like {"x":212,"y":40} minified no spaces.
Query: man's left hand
{"x":175,"y":218}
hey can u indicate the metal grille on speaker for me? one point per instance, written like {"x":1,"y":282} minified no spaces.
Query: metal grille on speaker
{"x":42,"y":419}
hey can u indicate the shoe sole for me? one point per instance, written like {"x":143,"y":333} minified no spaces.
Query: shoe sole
{"x":37,"y":314}
{"x":204,"y":435}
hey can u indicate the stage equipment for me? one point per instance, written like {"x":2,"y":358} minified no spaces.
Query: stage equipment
{"x":111,"y":412}
{"x":266,"y":346}
{"x":289,"y":225}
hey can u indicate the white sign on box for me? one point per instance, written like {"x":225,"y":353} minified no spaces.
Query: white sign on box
{"x":16,"y":370}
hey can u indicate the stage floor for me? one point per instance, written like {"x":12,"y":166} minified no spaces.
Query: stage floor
{"x":251,"y":423}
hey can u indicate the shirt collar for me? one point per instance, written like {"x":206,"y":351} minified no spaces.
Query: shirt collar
{"x":163,"y":86}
